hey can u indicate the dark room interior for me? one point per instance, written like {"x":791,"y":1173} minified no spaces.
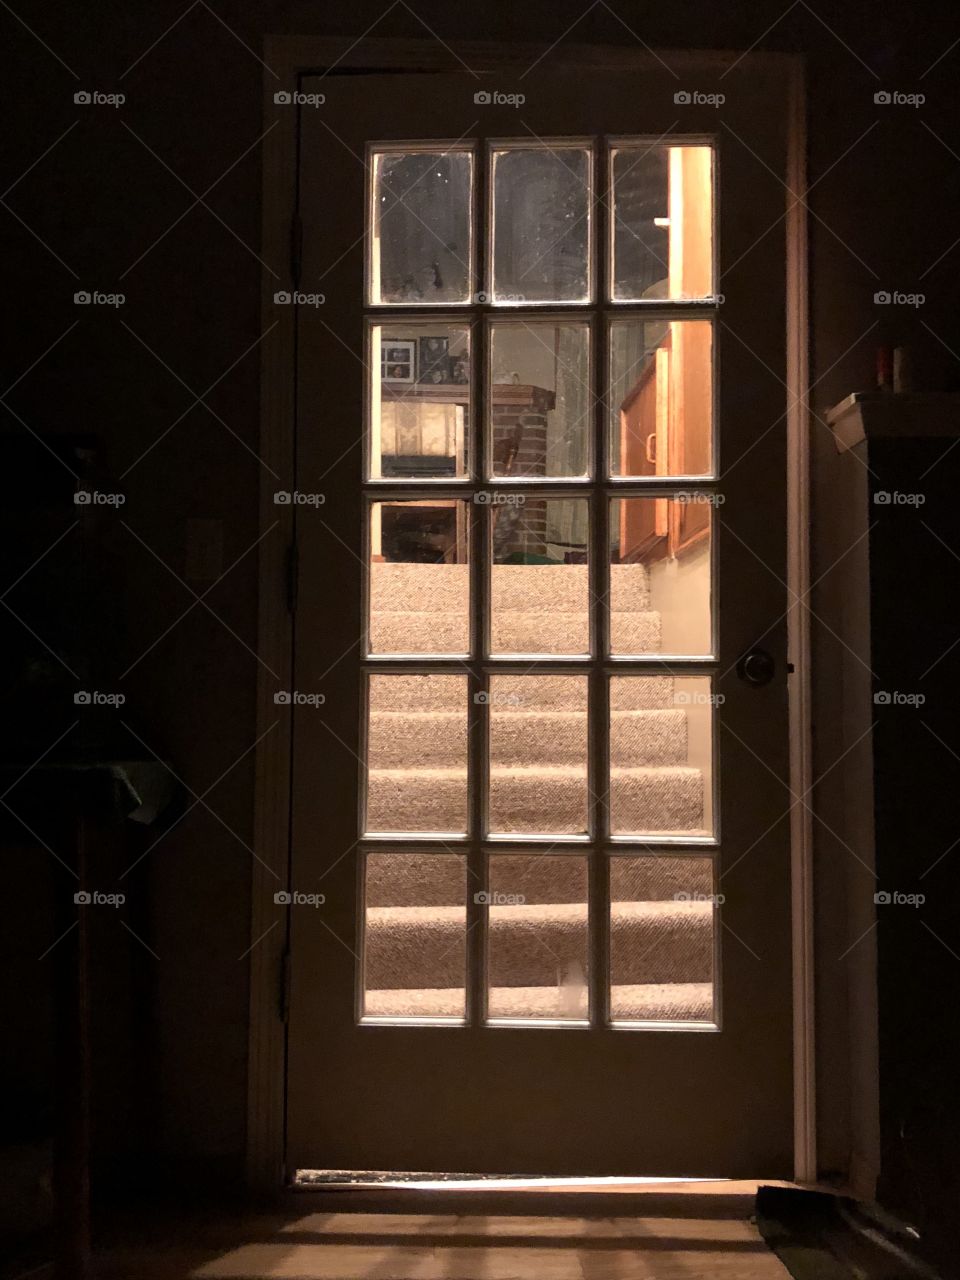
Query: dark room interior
{"x":479,"y":723}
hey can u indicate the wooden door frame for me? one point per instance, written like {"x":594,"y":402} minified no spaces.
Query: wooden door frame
{"x":286,"y":60}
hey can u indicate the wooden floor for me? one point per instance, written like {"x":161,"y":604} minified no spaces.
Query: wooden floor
{"x":679,"y":1239}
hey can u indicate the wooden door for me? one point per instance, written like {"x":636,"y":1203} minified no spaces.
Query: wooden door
{"x":554,"y":935}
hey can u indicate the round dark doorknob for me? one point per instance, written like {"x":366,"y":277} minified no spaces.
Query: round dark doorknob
{"x":757,"y":667}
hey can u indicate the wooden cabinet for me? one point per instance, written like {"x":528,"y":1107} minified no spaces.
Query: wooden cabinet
{"x":666,"y":425}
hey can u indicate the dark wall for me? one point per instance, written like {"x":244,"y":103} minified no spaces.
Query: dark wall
{"x":915,"y":576}
{"x":106,"y":199}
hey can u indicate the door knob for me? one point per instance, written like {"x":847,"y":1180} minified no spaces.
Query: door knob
{"x":757,"y":667}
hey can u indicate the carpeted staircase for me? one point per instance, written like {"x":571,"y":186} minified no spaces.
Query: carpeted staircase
{"x":661,"y":931}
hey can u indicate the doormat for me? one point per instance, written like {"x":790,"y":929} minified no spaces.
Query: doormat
{"x":824,"y":1237}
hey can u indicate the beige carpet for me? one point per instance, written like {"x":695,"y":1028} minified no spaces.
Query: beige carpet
{"x":661,"y":923}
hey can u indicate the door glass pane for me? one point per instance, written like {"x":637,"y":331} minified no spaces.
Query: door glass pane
{"x":662,"y":939}
{"x":661,"y":398}
{"x":662,"y":222}
{"x":660,"y":575}
{"x":419,"y":576}
{"x":538,"y":754}
{"x":419,"y":402}
{"x":537,"y":940}
{"x":417,"y":753}
{"x":539,"y":589}
{"x":420,"y":241}
{"x":541,"y":223}
{"x":414,"y":944}
{"x":540,"y":398}
{"x":661,"y":755}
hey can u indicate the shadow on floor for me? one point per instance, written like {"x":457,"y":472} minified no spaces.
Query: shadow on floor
{"x":643,"y":1236}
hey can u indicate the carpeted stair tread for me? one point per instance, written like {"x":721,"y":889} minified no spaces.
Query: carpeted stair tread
{"x":438,"y":738}
{"x":441,"y":773}
{"x":539,"y":915}
{"x":443,"y":588}
{"x":448,"y":693}
{"x":424,"y":879}
{"x":553,"y":632}
{"x":530,"y":944}
{"x":536,"y":798}
{"x":513,"y":631}
{"x":648,"y":1002}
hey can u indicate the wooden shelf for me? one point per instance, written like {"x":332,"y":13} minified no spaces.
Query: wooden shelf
{"x":501,"y":393}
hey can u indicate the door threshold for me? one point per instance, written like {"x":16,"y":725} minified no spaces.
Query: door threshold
{"x":345,"y":1180}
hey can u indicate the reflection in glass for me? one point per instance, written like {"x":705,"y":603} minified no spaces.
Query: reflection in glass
{"x":417,"y":753}
{"x":541,"y":223}
{"x":540,"y":398}
{"x":662,"y":222}
{"x":538,"y":754}
{"x":419,"y":401}
{"x":420,"y":242}
{"x":661,"y":755}
{"x":537,"y":942}
{"x":414,"y":945}
{"x":661,"y":397}
{"x":419,"y":576}
{"x":662,"y":930}
{"x":540,"y":588}
{"x":660,"y":575}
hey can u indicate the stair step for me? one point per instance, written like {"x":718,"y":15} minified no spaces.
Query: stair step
{"x":443,"y":587}
{"x":538,"y":945}
{"x":661,"y":1002}
{"x":433,"y":693}
{"x":419,"y":739}
{"x":428,"y":880}
{"x":648,"y":799}
{"x":511,"y":631}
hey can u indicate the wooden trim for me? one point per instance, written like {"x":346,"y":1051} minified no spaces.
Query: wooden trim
{"x":798,"y":634}
{"x":289,"y":55}
{"x":879,"y":415}
{"x":267,"y":1037}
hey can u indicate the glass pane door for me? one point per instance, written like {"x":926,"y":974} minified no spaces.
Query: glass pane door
{"x":539,"y":824}
{"x":548,"y":820}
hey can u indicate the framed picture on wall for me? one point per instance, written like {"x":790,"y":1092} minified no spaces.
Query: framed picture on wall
{"x":458,"y":370}
{"x":398,"y":360}
{"x":434,"y":360}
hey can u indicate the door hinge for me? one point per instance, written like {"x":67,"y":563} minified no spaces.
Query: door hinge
{"x":293,"y":577}
{"x":296,"y":248}
{"x":285,"y":983}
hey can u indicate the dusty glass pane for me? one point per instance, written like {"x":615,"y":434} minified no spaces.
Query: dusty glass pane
{"x":541,"y":224}
{"x":661,"y":755}
{"x":537,"y":948}
{"x":414,"y":945}
{"x":419,"y":402}
{"x":539,"y":589}
{"x":540,"y":398}
{"x":420,"y":245}
{"x":419,"y":576}
{"x":662,"y":939}
{"x":417,"y":753}
{"x":538,"y":754}
{"x":662,"y":222}
{"x":660,"y":575}
{"x":661,"y":398}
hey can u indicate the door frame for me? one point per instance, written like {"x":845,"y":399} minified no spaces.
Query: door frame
{"x":286,"y":59}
